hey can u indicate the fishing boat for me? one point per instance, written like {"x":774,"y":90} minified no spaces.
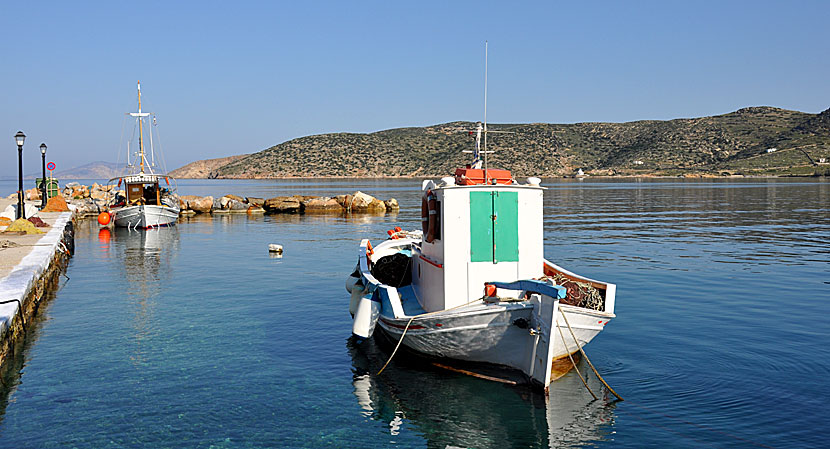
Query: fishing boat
{"x":145,"y":202}
{"x":473,"y":285}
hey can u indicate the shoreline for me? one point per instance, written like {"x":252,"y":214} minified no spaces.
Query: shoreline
{"x":29,"y":272}
{"x":690,"y":176}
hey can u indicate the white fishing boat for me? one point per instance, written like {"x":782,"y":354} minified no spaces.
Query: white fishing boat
{"x":145,"y":203}
{"x":473,"y":285}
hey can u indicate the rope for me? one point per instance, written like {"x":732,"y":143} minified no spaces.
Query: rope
{"x":398,"y":346}
{"x":586,"y":356}
{"x":470,"y":373}
{"x":410,"y":322}
{"x":573,"y":362}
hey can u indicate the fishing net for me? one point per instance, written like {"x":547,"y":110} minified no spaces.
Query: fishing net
{"x":56,"y":204}
{"x":393,"y":270}
{"x":580,"y":294}
{"x":38,"y":222}
{"x":23,"y":226}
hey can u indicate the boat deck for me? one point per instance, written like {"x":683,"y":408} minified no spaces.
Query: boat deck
{"x":409,"y":301}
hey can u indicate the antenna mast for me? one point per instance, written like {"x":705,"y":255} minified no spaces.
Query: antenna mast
{"x":140,"y":130}
{"x":485,"y":110}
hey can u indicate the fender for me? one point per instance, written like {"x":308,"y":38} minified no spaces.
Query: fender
{"x":425,"y":212}
{"x":432,"y":205}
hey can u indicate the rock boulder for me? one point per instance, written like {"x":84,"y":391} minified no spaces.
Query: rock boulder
{"x":201,"y":205}
{"x":253,"y":201}
{"x":323,"y":205}
{"x":283,"y":204}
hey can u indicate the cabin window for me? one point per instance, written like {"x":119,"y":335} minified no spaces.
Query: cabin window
{"x":134,"y":192}
{"x":143,"y":193}
{"x":494,"y":226}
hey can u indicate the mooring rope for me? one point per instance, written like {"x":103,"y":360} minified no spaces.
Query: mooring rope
{"x":410,"y":322}
{"x":398,"y":345}
{"x":573,"y":362}
{"x":586,"y":356}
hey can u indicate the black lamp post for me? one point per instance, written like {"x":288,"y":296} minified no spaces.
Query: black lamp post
{"x":20,"y":137}
{"x":43,"y":179}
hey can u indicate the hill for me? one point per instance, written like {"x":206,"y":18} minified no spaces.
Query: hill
{"x":734,"y":143}
{"x":93,"y":170}
{"x":202,"y":169}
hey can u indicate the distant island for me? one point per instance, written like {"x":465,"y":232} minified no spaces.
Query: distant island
{"x":93,"y":170}
{"x":754,"y":141}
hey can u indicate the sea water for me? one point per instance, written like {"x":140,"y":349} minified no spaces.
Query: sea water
{"x":195,"y":336}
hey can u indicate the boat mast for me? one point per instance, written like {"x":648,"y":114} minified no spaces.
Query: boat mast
{"x":140,"y":130}
{"x":485,"y":112}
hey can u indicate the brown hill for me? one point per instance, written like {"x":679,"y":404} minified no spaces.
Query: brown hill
{"x":202,"y":169}
{"x":736,"y":142}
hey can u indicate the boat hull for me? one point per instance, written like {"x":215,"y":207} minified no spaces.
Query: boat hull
{"x":495,"y":334}
{"x":145,"y":216}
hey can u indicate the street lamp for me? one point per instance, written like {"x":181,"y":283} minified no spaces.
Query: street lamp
{"x":43,"y":179}
{"x":20,"y":137}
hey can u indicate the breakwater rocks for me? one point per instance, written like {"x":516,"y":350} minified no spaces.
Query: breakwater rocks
{"x":357,"y":202}
{"x":91,"y":200}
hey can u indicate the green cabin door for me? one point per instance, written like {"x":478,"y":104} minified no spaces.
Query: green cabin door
{"x":494,"y":226}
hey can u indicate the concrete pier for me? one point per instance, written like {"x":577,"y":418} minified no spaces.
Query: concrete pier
{"x":30,"y":266}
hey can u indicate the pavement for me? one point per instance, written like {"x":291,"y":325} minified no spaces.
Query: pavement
{"x":23,"y":245}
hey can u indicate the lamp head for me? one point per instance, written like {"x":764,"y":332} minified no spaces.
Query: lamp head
{"x":43,"y":148}
{"x":20,"y":137}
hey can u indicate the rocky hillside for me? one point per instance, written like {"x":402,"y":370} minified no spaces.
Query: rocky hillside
{"x":734,"y":143}
{"x":201,"y":169}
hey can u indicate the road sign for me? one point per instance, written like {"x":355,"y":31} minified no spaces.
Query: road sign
{"x":50,"y":166}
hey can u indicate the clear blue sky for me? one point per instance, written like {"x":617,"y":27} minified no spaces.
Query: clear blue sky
{"x":237,"y":77}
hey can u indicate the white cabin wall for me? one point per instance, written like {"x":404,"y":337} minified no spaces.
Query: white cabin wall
{"x":480,"y":272}
{"x":531,"y":234}
{"x":456,"y":236}
{"x":428,"y":284}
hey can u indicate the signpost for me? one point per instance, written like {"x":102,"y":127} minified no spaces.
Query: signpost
{"x":52,"y":186}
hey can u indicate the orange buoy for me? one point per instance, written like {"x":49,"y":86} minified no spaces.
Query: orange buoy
{"x":489,"y":290}
{"x":104,"y":218}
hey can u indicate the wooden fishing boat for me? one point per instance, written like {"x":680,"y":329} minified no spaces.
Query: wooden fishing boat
{"x":473,"y":284}
{"x":146,"y":203}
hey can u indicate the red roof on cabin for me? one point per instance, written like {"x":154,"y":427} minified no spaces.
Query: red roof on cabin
{"x":472,"y":176}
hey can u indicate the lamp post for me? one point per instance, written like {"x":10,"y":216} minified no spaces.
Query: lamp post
{"x":43,"y":179}
{"x":20,"y":137}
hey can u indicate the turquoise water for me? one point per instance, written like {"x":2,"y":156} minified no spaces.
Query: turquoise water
{"x":193,"y":336}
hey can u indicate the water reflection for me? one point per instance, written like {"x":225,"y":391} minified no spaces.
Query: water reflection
{"x":145,"y":256}
{"x":451,"y":410}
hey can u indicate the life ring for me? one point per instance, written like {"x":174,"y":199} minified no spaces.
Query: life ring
{"x":432,"y":221}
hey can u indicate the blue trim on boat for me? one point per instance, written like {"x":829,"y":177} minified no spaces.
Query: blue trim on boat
{"x":534,"y":286}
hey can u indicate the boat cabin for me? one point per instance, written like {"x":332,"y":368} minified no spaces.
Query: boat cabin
{"x":142,"y":189}
{"x":488,"y":228}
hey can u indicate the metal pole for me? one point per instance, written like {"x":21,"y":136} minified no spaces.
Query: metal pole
{"x":43,"y":182}
{"x":21,"y":212}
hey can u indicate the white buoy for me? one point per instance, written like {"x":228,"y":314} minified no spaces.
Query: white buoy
{"x":274,"y":248}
